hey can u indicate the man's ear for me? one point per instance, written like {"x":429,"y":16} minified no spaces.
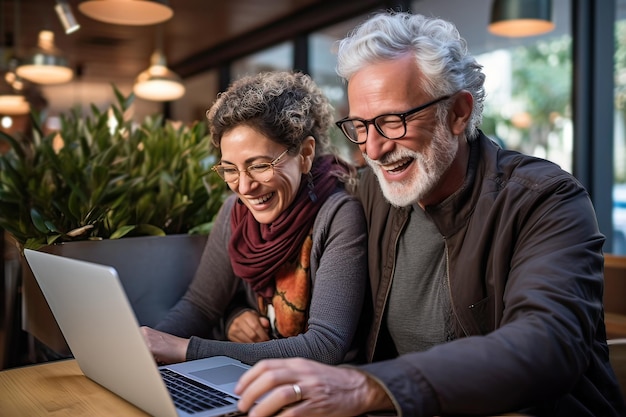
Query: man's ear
{"x":307,"y":153}
{"x":460,"y":112}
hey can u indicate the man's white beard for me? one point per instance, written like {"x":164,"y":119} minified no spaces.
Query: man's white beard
{"x":429,"y":169}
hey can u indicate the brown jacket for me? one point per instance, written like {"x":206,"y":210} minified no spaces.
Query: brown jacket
{"x":525,"y":276}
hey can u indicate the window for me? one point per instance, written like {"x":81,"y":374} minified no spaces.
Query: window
{"x":279,"y":57}
{"x":619,"y":134}
{"x":528,"y":80}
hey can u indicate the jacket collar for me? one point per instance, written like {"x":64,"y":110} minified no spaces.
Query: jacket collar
{"x":453,"y":213}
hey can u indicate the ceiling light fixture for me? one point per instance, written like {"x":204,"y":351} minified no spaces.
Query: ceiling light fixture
{"x":45,"y":65}
{"x":12,"y":101}
{"x":158,"y":83}
{"x":13,"y":104}
{"x":518,"y":18}
{"x":64,"y":11}
{"x":127,"y":12}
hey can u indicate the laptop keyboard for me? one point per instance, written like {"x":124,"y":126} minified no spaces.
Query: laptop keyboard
{"x":192,"y":396}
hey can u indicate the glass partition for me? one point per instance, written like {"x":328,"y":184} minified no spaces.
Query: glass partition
{"x":323,"y":60}
{"x":279,"y":57}
{"x":619,"y":134}
{"x":528,"y":79}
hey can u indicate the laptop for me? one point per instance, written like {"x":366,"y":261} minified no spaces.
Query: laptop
{"x":98,"y":323}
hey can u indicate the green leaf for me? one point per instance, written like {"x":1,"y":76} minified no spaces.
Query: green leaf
{"x":122,"y":231}
{"x":38,"y":221}
{"x":15,"y":145}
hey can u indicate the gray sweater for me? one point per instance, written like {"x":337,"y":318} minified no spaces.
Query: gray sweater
{"x":338,"y":279}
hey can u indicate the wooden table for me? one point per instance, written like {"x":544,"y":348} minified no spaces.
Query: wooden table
{"x":58,"y":389}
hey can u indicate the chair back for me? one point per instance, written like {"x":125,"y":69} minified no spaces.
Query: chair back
{"x":615,"y":296}
{"x":155,"y":272}
{"x":617,"y":356}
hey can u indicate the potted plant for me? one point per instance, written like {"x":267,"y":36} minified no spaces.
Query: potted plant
{"x":100,"y":178}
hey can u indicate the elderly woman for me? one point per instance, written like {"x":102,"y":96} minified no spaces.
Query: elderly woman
{"x":290,"y":241}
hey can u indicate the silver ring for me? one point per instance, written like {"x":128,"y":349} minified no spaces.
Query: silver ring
{"x":298,"y":391}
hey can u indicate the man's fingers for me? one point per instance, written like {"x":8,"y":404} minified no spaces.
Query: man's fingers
{"x":250,"y":375}
{"x":279,"y":398}
{"x":261,"y":378}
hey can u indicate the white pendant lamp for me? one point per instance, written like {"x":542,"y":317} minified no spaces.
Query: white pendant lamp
{"x":127,"y":12}
{"x":158,"y":83}
{"x":46,"y":65}
{"x":519,"y":18}
{"x":13,"y":104}
{"x":12,"y":101}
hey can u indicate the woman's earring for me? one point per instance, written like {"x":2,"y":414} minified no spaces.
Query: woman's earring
{"x":311,"y":186}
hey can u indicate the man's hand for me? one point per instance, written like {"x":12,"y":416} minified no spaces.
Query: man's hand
{"x":249,"y":327}
{"x":165,"y":347}
{"x":307,"y":388}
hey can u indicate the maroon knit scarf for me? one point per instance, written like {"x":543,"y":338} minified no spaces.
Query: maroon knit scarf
{"x":257,"y":250}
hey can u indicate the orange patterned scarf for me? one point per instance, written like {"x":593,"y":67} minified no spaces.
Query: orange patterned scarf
{"x":291,"y":297}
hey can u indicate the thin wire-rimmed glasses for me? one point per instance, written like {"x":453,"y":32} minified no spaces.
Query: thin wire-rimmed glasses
{"x":391,"y":125}
{"x":261,"y":172}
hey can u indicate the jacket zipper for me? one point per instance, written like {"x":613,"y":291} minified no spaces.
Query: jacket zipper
{"x":387,"y":290}
{"x":452,"y":305}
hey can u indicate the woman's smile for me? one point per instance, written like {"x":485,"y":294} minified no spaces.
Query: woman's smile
{"x":261,"y":200}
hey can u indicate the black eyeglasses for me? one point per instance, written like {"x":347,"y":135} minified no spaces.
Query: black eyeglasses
{"x":262,"y":172}
{"x":391,"y":125}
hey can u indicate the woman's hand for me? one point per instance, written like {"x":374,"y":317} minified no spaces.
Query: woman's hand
{"x":302,"y":387}
{"x":248,"y":327}
{"x":165,"y":348}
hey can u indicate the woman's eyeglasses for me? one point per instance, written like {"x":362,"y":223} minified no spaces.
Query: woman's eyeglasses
{"x":262,"y":172}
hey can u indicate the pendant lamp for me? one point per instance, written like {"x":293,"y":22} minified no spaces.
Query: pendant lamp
{"x":127,"y":12}
{"x":518,"y":18}
{"x":12,"y":101}
{"x":46,"y":64}
{"x":12,"y":104}
{"x":158,"y":83}
{"x":64,"y":12}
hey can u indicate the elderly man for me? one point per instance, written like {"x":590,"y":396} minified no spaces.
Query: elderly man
{"x":485,"y":264}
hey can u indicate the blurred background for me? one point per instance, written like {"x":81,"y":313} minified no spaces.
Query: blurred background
{"x":557,"y":94}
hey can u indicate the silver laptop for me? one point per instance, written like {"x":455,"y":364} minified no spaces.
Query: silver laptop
{"x":101,"y":330}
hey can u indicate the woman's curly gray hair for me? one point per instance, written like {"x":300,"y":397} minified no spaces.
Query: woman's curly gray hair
{"x":440,"y":53}
{"x":284,"y":106}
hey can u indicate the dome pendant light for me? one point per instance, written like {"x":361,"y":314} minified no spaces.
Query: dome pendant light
{"x":518,"y":18}
{"x":46,"y":65}
{"x":127,"y":12}
{"x":158,"y":83}
{"x":12,"y":101}
{"x":13,"y":104}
